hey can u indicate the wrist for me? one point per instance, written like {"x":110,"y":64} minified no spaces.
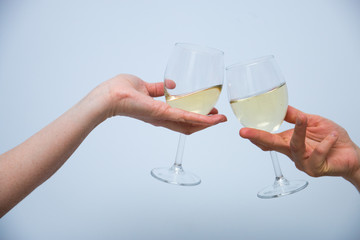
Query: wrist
{"x":354,"y":177}
{"x":114,"y":94}
{"x":97,"y":105}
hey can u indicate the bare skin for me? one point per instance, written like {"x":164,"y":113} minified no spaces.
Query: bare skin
{"x":317,"y":146}
{"x":29,"y":164}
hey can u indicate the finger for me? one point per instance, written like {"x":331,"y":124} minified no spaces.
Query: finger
{"x":291,"y":114}
{"x":161,"y":111}
{"x":176,"y":114}
{"x":297,"y":142}
{"x":187,"y":128}
{"x":265,"y":139}
{"x":214,"y":111}
{"x":170,"y":84}
{"x":155,"y":89}
{"x":183,"y":127}
{"x":205,"y":119}
{"x":316,"y":165}
{"x":259,"y":145}
{"x":189,"y":123}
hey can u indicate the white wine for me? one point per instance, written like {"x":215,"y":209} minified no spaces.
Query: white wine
{"x":265,"y":111}
{"x":201,"y":101}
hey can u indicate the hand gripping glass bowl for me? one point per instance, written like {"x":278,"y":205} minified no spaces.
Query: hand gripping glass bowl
{"x":259,"y":99}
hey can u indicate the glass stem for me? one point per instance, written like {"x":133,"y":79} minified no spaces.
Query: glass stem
{"x":180,"y":150}
{"x":276,"y":165}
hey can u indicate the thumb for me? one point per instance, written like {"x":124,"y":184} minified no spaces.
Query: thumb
{"x":155,"y":89}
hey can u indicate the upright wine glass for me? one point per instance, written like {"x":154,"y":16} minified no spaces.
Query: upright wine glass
{"x":193,"y":80}
{"x":259,"y":99}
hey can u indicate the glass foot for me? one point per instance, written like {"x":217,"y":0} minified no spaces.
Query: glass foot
{"x":282,"y":187}
{"x":175,"y":175}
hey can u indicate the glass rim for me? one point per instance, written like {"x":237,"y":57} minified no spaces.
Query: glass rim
{"x":250,"y":62}
{"x":200,"y":48}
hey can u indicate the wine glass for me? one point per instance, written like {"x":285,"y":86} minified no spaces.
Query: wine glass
{"x":193,"y":81}
{"x":258,"y":97}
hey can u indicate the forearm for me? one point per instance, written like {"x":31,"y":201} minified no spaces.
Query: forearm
{"x":31,"y":163}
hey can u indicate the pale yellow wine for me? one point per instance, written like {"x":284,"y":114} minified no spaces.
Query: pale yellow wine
{"x":264,"y":111}
{"x":201,"y":101}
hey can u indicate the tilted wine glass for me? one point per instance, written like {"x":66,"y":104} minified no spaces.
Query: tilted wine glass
{"x":193,"y":81}
{"x":259,"y":98}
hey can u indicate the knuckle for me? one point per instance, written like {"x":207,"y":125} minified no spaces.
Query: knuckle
{"x":320,"y":150}
{"x":119,"y":95}
{"x":187,"y":131}
{"x":309,"y":171}
{"x":294,"y":147}
{"x":160,"y":110}
{"x":263,"y":148}
{"x":314,"y":173}
{"x":303,"y":166}
{"x":299,"y":166}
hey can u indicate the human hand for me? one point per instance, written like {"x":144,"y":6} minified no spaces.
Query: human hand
{"x":128,"y":95}
{"x":317,"y":146}
{"x":40,"y":156}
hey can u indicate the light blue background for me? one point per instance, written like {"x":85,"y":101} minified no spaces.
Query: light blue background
{"x":52,"y":53}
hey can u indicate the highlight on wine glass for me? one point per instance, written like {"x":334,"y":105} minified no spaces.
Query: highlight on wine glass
{"x":193,"y":81}
{"x":258,"y":96}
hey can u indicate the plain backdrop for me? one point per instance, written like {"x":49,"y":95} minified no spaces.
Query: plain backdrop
{"x":52,"y":53}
